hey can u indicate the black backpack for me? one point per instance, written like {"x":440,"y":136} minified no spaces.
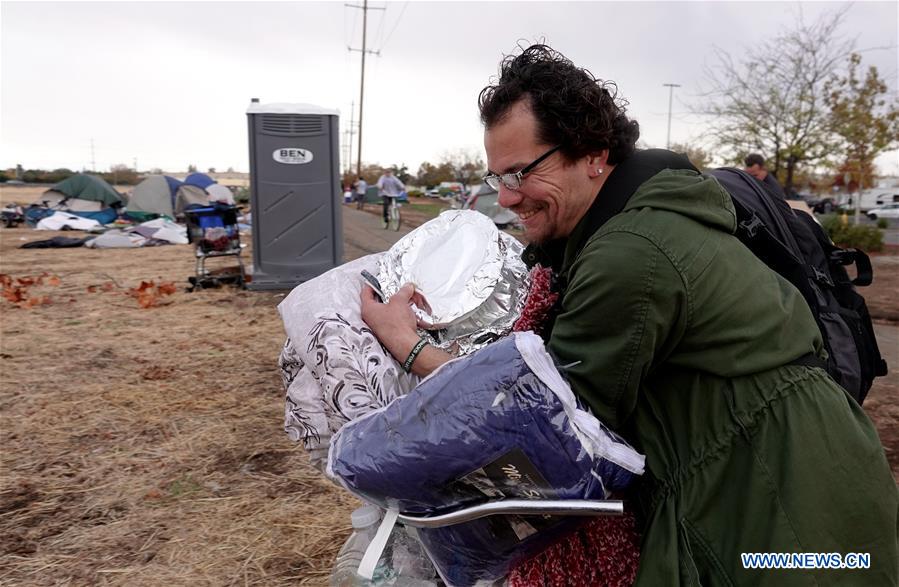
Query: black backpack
{"x":798,"y":248}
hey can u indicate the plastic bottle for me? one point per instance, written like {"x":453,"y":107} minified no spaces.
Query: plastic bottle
{"x":408,"y":562}
{"x":365,"y":525}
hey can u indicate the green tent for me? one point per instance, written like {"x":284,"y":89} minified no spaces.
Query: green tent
{"x":85,"y":187}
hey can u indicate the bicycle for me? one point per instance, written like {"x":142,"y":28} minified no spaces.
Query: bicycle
{"x":394,"y":218}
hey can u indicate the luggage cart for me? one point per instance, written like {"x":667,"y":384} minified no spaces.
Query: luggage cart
{"x":214,"y":233}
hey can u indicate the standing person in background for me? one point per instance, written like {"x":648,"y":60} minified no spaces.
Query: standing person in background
{"x":750,"y":446}
{"x":389,"y":187}
{"x":360,"y":187}
{"x":755,"y":166}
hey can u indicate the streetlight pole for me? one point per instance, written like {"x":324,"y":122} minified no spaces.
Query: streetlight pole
{"x":670,"y":100}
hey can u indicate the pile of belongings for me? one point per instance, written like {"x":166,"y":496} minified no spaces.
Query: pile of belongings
{"x":154,"y":232}
{"x":497,"y":422}
{"x":151,"y":233}
{"x":334,"y":368}
{"x":82,"y":195}
{"x":164,"y":195}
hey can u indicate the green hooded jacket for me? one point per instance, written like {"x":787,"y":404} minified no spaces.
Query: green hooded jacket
{"x":685,"y":341}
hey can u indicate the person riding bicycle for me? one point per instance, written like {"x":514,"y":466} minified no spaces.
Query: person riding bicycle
{"x":389,"y":187}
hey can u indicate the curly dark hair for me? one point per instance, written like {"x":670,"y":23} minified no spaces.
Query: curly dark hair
{"x":573,"y":108}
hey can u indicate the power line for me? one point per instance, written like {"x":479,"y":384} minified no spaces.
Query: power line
{"x":396,"y":24}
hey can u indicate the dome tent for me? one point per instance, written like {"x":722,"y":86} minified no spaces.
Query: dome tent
{"x":93,"y":192}
{"x":189,"y":195}
{"x":200,"y":180}
{"x":155,"y":194}
{"x":485,"y":200}
{"x":83,"y":195}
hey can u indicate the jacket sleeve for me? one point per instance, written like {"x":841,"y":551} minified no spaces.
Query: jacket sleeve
{"x":624,"y":310}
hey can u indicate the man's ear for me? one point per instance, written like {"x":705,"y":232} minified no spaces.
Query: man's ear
{"x":597,"y":162}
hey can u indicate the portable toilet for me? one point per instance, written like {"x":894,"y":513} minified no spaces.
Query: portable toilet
{"x":295,"y":193}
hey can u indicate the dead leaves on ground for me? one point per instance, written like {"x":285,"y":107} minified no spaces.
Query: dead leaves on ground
{"x":108,"y":286}
{"x":16,"y":289}
{"x":148,"y":294}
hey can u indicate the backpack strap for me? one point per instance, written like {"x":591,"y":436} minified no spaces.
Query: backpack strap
{"x":863,"y":268}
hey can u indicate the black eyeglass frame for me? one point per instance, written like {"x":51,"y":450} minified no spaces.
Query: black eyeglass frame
{"x":491,"y":177}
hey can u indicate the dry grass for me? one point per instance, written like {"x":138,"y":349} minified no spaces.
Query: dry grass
{"x":144,"y":446}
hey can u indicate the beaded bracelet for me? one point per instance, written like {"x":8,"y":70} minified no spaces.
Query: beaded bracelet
{"x":407,"y":364}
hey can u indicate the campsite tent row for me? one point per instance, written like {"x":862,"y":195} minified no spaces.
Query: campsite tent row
{"x":92,"y":197}
{"x":162,"y":194}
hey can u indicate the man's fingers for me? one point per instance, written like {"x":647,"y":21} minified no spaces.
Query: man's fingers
{"x":405,"y":293}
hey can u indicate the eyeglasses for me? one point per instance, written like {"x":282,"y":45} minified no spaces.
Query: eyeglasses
{"x":513,"y":180}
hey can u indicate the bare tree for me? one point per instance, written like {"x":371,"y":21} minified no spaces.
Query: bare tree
{"x":466,"y":164}
{"x":773,"y":100}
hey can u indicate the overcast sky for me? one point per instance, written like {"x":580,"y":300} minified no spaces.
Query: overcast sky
{"x":167,"y":84}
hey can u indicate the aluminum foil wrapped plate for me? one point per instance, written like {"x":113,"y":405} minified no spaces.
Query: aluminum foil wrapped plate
{"x":470,"y":277}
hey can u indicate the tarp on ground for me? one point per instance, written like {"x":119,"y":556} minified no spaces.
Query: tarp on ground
{"x":155,"y":194}
{"x":82,"y":186}
{"x":61,"y":220}
{"x":116,"y":239}
{"x":201,"y":180}
{"x":107,"y":216}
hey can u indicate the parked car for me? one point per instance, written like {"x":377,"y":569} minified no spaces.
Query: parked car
{"x":822,"y":205}
{"x":885,"y":211}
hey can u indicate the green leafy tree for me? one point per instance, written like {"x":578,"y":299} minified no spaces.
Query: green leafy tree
{"x":431,"y":175}
{"x":864,"y":118}
{"x":402,"y":173}
{"x":773,"y":100}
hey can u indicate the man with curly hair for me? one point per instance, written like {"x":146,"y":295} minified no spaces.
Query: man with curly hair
{"x":680,"y":339}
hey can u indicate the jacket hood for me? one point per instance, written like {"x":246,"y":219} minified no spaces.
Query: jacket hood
{"x":698,"y":197}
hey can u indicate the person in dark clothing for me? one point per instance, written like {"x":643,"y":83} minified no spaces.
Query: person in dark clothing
{"x":755,"y":166}
{"x":678,"y":338}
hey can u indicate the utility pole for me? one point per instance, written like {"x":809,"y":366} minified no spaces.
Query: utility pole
{"x":93,"y":161}
{"x":350,"y":132}
{"x":670,"y":100}
{"x":363,"y":50}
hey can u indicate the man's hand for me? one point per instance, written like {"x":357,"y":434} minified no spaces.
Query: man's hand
{"x":394,"y":324}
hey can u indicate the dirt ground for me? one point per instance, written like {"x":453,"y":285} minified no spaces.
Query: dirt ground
{"x":143,"y":445}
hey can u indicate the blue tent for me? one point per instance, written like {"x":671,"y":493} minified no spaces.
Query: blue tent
{"x":200,"y":180}
{"x":174,"y":184}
